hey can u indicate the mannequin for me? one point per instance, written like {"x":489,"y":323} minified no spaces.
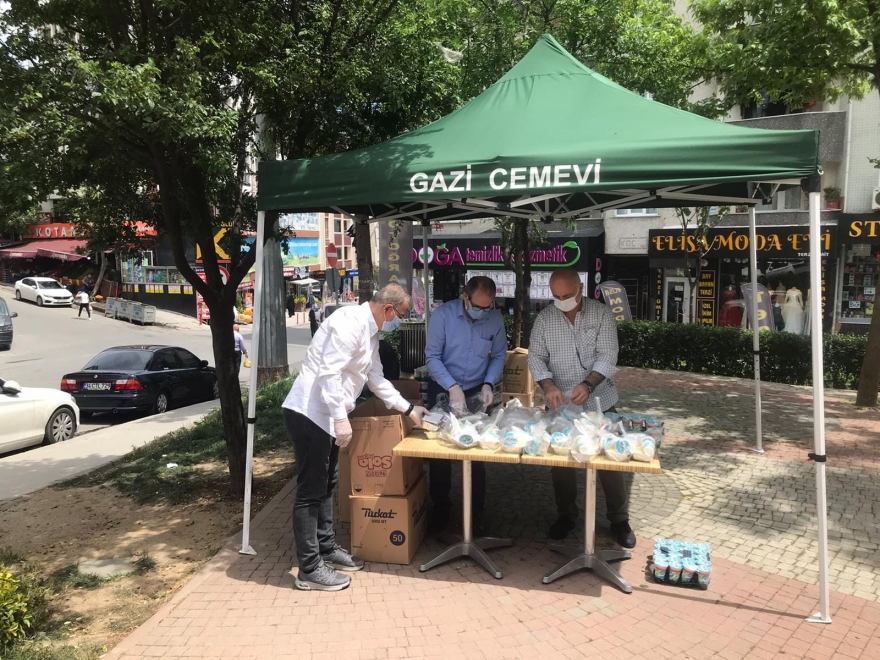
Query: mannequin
{"x":731,"y":312}
{"x":793,"y":311}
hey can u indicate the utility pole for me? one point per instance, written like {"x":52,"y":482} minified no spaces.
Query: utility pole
{"x":272,"y":358}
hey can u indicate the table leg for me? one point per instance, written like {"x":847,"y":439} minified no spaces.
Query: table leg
{"x":589,"y":558}
{"x":469,"y":547}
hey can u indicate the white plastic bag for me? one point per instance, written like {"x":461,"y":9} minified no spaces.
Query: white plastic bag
{"x":514,"y":440}
{"x":615,"y":448}
{"x":585,"y":448}
{"x":644,"y":447}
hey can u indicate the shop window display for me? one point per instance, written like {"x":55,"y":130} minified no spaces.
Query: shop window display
{"x":861,"y":270}
{"x":787,"y":283}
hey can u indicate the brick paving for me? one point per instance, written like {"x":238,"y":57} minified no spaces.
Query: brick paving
{"x":757,"y":512}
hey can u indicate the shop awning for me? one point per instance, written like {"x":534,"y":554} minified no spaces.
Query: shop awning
{"x":63,"y":250}
{"x":305,"y":281}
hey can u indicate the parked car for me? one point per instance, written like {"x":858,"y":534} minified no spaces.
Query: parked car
{"x":141,"y":378}
{"x":43,"y":291}
{"x":6,"y":316}
{"x":34,"y":415}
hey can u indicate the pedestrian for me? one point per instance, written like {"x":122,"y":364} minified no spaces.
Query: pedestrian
{"x":342,"y":357}
{"x":239,"y":346}
{"x":291,"y":306}
{"x":465,"y":354}
{"x":82,"y":297}
{"x":573,"y":357}
{"x":314,"y":316}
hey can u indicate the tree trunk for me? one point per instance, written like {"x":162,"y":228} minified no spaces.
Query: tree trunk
{"x":364,"y":249}
{"x":523,"y":270}
{"x":231,"y":407}
{"x":103,"y":256}
{"x":869,"y":379}
{"x":272,"y":358}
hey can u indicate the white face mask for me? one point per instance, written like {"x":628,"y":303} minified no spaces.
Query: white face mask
{"x":567,"y":305}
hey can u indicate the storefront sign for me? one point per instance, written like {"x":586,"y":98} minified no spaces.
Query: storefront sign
{"x":615,"y":298}
{"x":658,"y":294}
{"x":395,"y":253}
{"x":863,"y":229}
{"x":706,"y":297}
{"x":52,"y":230}
{"x":473,"y":253}
{"x":765,"y":307}
{"x":770,"y":242}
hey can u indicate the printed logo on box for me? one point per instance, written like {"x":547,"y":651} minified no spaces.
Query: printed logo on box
{"x":513,"y":371}
{"x":375,"y":464}
{"x":418,"y":512}
{"x":397,"y":538}
{"x":391,"y":514}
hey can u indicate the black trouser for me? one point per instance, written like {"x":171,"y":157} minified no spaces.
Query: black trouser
{"x":615,"y":484}
{"x":85,"y":306}
{"x":237,"y":362}
{"x":441,"y":470}
{"x":317,"y":471}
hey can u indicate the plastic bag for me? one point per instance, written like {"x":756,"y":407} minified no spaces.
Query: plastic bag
{"x":514,"y":440}
{"x":561,"y":443}
{"x":490,"y":438}
{"x":537,"y":446}
{"x":247,"y":363}
{"x":644,"y":447}
{"x":616,"y":448}
{"x":585,"y":447}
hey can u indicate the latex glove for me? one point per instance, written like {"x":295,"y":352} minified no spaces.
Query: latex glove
{"x":456,"y":400}
{"x":487,"y":395}
{"x":553,"y":396}
{"x":417,"y":413}
{"x":343,"y":432}
{"x":580,"y":394}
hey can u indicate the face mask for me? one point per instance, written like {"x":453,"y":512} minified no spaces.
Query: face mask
{"x":567,"y":305}
{"x":389,"y":326}
{"x":477,"y":314}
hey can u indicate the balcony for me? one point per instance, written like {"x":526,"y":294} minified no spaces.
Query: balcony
{"x":832,"y":125}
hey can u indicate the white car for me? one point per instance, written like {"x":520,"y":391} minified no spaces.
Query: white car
{"x":33,"y":415}
{"x":43,"y":291}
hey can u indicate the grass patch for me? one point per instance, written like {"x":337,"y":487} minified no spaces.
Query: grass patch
{"x":198,"y":451}
{"x":144,"y":565}
{"x":69,"y":577}
{"x":49,"y":651}
{"x":8,"y":557}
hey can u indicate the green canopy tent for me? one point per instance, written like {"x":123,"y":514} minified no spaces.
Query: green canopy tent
{"x":553,"y":139}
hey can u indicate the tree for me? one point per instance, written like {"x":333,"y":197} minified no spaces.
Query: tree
{"x":695,"y":225}
{"x":797,"y":53}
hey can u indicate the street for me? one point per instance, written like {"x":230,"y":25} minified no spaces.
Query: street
{"x":50,"y":342}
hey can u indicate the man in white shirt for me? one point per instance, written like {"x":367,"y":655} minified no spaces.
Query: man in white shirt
{"x":342,"y":358}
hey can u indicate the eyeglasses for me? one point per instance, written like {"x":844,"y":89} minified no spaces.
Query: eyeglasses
{"x":475,"y":306}
{"x":398,"y":314}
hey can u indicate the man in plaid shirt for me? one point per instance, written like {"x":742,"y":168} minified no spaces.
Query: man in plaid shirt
{"x":573,"y":357}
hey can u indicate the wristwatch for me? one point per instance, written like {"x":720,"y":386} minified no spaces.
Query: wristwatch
{"x":589,"y":386}
{"x":410,"y":409}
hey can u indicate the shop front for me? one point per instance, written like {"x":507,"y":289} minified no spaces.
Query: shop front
{"x":49,"y":249}
{"x":702,"y":281}
{"x":454,"y":260}
{"x":857,"y":281}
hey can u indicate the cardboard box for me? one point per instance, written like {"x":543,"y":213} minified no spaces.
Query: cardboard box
{"x":343,"y":499}
{"x":389,"y":529}
{"x":517,"y":377}
{"x":535,"y":399}
{"x":374,"y":469}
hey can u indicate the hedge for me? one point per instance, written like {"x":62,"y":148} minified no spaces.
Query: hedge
{"x":785,"y":357}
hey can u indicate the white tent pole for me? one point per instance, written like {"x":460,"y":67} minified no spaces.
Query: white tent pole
{"x":426,"y":232}
{"x":824,"y":614}
{"x":756,"y":341}
{"x":246,"y":548}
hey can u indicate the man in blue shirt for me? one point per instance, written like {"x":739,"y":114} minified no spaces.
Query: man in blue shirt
{"x":465,"y":355}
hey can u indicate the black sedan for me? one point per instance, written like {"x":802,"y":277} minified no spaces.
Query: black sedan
{"x":141,"y":378}
{"x":6,"y":317}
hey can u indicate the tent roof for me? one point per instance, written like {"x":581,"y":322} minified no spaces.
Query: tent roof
{"x":550,"y":138}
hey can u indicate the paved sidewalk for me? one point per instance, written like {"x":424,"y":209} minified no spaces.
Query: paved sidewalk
{"x":756,"y":510}
{"x":31,"y":470}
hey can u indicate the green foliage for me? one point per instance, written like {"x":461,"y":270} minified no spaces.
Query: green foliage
{"x":143,"y":474}
{"x":14,"y":618}
{"x":393,"y":338}
{"x":52,"y":651}
{"x":785,"y":357}
{"x":69,"y":577}
{"x":795,"y":52}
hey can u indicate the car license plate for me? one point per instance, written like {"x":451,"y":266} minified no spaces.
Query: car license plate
{"x":96,"y":386}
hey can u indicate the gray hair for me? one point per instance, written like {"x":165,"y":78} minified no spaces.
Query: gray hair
{"x":480,"y":283}
{"x":391,"y":294}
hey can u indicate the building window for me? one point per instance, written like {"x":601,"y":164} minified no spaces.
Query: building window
{"x":337,"y":225}
{"x":635,"y":212}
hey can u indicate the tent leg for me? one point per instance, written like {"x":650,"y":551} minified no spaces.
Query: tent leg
{"x":246,"y":548}
{"x":756,"y":342}
{"x":824,"y":614}
{"x":426,"y":232}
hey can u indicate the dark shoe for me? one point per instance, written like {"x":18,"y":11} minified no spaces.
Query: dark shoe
{"x":561,"y":528}
{"x":322,"y":578}
{"x":342,"y":560}
{"x":623,"y":534}
{"x":439,"y":520}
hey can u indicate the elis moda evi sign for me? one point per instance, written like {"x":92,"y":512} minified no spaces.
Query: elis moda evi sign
{"x":781,"y":242}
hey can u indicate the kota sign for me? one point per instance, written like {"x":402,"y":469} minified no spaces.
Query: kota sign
{"x":770,"y":242}
{"x":52,"y":230}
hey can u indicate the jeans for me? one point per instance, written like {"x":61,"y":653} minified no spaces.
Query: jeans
{"x":84,"y":306}
{"x":615,"y":484}
{"x":317,"y":471}
{"x":440,"y":470}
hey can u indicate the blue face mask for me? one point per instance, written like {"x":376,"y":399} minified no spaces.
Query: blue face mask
{"x":390,"y":326}
{"x":477,"y":314}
